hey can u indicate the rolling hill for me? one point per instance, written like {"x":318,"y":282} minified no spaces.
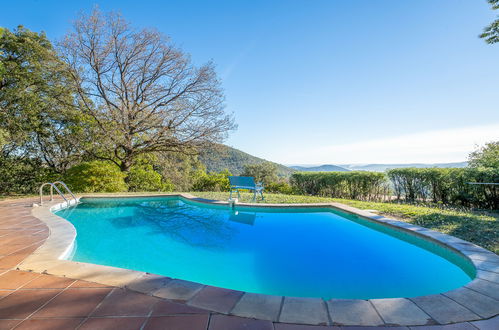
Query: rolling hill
{"x":371,"y":167}
{"x":218,"y":157}
{"x":321,"y":168}
{"x":384,"y":167}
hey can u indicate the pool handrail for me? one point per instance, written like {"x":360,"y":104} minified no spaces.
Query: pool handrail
{"x":53,"y":185}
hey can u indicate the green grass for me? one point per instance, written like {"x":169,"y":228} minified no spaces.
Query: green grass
{"x":479,"y":227}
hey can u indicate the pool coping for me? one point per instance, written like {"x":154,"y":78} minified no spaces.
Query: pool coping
{"x":477,"y":300}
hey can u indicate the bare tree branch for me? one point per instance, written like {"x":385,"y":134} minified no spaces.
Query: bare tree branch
{"x":144,"y":93}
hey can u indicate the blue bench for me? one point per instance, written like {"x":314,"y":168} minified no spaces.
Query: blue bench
{"x":245,"y":182}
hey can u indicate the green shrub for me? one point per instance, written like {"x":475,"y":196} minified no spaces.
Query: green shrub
{"x":95,"y":176}
{"x":447,"y":185}
{"x":352,"y":185}
{"x":280,"y":187}
{"x":23,"y":176}
{"x":145,"y":178}
{"x":211,"y":181}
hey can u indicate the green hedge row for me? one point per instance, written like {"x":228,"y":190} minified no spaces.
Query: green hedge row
{"x":352,"y":185}
{"x":439,"y":185}
{"x":447,"y":185}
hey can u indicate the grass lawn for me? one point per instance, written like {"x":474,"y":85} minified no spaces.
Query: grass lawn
{"x":481,"y":228}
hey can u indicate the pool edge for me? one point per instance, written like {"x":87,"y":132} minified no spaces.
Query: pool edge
{"x":458,"y":305}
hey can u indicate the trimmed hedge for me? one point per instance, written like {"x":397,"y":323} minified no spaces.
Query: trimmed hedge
{"x":438,"y":185}
{"x":367,"y":186}
{"x":447,"y":185}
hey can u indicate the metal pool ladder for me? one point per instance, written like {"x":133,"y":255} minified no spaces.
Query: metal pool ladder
{"x":53,"y":185}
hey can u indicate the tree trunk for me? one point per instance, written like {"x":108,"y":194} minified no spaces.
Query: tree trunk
{"x":125,"y":165}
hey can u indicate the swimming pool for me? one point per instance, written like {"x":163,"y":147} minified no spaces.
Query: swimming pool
{"x":279,"y":251}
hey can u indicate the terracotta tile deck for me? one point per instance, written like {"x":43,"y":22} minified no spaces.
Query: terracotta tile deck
{"x":39,"y":301}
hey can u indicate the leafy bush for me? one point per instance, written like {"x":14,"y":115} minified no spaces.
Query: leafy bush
{"x":178,"y":169}
{"x":211,"y":181}
{"x":281,"y":187}
{"x":23,"y":176}
{"x":353,"y":185}
{"x":447,"y":185}
{"x":96,"y":176}
{"x":145,"y":178}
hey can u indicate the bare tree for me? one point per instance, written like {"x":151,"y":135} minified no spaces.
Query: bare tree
{"x":143,"y":93}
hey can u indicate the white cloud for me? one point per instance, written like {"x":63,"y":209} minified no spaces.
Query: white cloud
{"x":450,"y":145}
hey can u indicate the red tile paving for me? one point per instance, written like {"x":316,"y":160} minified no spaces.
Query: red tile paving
{"x":48,"y":282}
{"x":165,"y":307}
{"x":8,"y":324}
{"x":39,"y":301}
{"x":74,"y":303}
{"x":14,"y":279}
{"x":49,"y":324}
{"x":178,"y":322}
{"x":121,"y":323}
{"x":221,"y":322}
{"x":125,"y":303}
{"x":23,"y":303}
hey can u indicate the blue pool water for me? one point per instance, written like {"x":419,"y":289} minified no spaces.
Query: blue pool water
{"x":291,"y":252}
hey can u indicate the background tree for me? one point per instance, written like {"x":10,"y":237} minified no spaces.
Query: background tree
{"x":178,"y":168}
{"x":486,"y":156}
{"x":263,"y":172}
{"x":144,"y":94}
{"x":491,"y":32}
{"x":37,"y":116}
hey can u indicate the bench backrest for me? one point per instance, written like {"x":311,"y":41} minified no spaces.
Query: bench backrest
{"x":242,"y":181}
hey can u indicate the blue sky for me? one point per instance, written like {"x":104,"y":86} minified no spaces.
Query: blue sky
{"x":351,"y":81}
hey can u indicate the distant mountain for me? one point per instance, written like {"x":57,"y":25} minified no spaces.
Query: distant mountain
{"x":218,"y":157}
{"x":321,"y":168}
{"x":384,"y":167}
{"x":370,"y":167}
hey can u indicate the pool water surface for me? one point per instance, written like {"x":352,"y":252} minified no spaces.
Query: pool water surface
{"x":291,"y":252}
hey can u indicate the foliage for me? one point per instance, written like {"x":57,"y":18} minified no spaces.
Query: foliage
{"x":281,"y":187}
{"x":4,"y":138}
{"x":486,"y":156}
{"x":145,"y":178}
{"x":95,"y":176}
{"x":447,"y":185}
{"x":37,"y":117}
{"x":212,"y":181}
{"x":491,"y":32}
{"x":144,"y":93}
{"x":354,"y":185}
{"x":22,"y":175}
{"x":263,"y":172}
{"x":178,"y":168}
{"x":217,"y":157}
{"x":481,"y":228}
